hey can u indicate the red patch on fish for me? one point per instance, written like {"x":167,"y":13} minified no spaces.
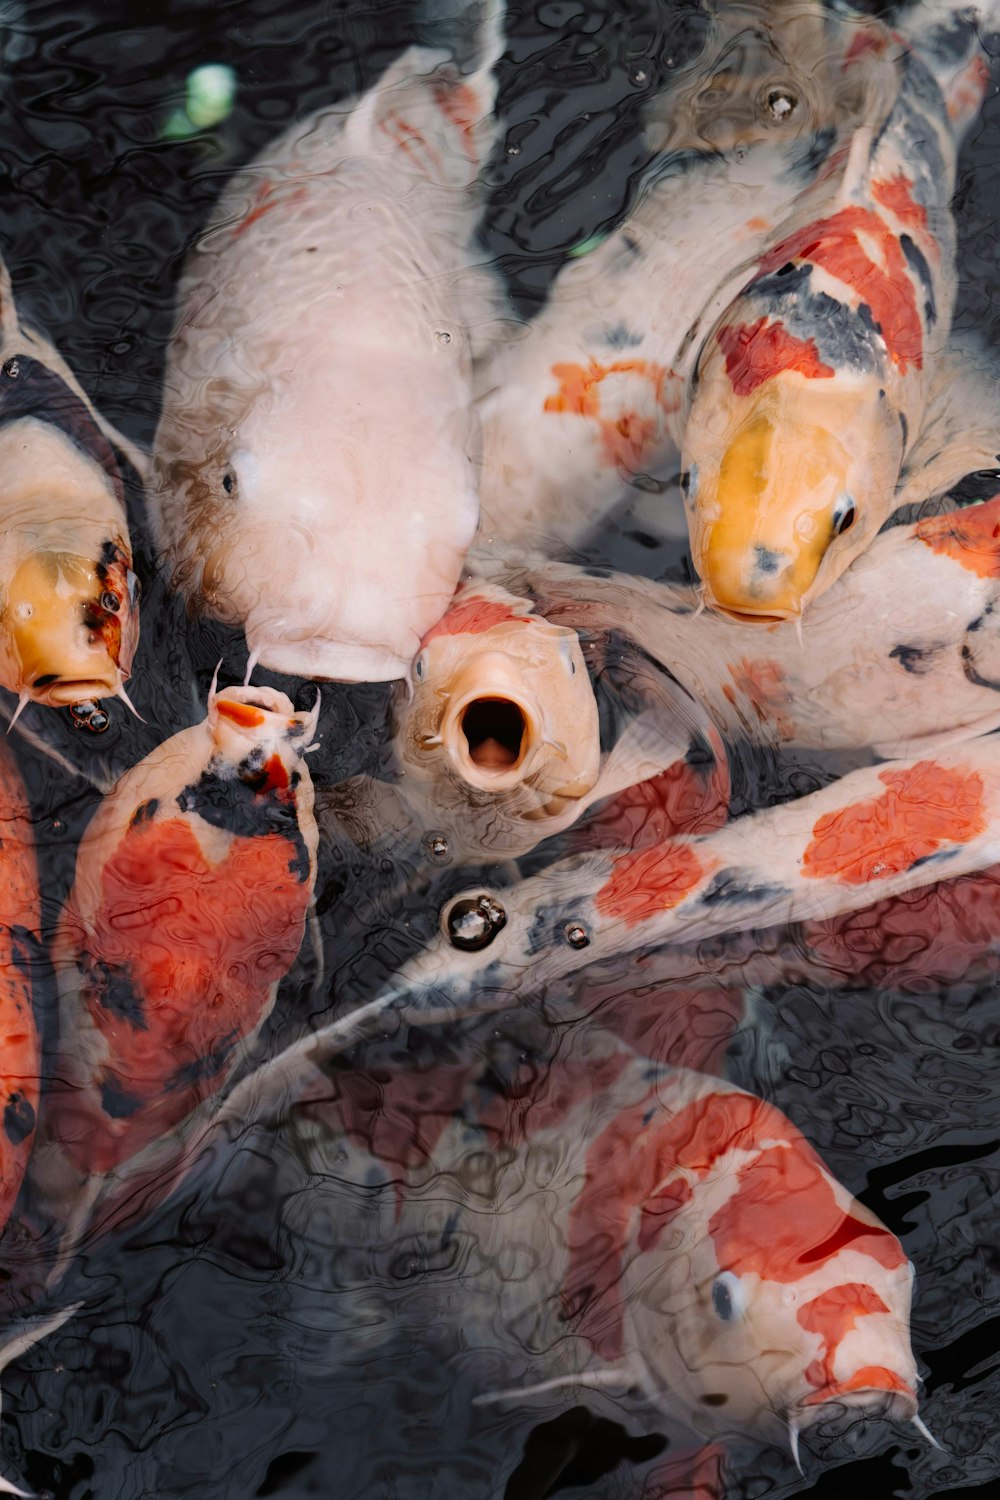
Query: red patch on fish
{"x":835,"y":244}
{"x":871,"y":1378}
{"x":833,"y":1315}
{"x":925,"y":807}
{"x":896,"y":194}
{"x":179,"y":961}
{"x":967,"y":93}
{"x":869,"y":41}
{"x":627,"y":435}
{"x":267,"y":197}
{"x":633,"y":1165}
{"x":650,"y":881}
{"x":684,"y":1028}
{"x":970,"y":536}
{"x":761,"y":683}
{"x":783,"y":1220}
{"x":464,"y":108}
{"x":683,"y":799}
{"x":243,"y":714}
{"x":472,"y":616}
{"x":757,"y":352}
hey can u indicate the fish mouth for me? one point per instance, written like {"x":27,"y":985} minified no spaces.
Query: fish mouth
{"x":496,"y":734}
{"x":875,"y":1390}
{"x":755,"y":617}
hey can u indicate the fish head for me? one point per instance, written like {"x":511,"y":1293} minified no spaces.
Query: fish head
{"x":257,"y":731}
{"x":329,"y":523}
{"x":69,"y":601}
{"x":501,"y":700}
{"x":786,"y":486}
{"x":771,"y":1296}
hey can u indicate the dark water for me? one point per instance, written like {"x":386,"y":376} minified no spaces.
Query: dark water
{"x":204,"y":1359}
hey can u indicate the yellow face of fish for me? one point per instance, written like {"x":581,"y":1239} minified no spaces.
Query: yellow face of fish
{"x":70,"y":627}
{"x":797,"y":488}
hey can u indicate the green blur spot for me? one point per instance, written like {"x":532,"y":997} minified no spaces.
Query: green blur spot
{"x":585,"y":246}
{"x":208,"y":99}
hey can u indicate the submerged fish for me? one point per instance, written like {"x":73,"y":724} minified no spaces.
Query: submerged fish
{"x":20,"y":927}
{"x":818,"y":378}
{"x":312,"y":477}
{"x":592,"y":1223}
{"x":193,"y":883}
{"x":591,"y":395}
{"x":69,"y":621}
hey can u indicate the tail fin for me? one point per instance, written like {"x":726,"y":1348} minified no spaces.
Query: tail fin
{"x":434,"y":105}
{"x":949,"y":37}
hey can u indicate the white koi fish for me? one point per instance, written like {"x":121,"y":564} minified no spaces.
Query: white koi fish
{"x":312,"y":477}
{"x":69,"y":621}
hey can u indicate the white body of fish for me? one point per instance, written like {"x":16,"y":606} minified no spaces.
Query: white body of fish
{"x":314,"y":476}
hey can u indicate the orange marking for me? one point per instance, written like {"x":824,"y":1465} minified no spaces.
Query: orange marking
{"x":833,"y":1315}
{"x":758,"y":223}
{"x":650,"y":881}
{"x":871,"y":1378}
{"x":683,"y":799}
{"x":834,"y":244}
{"x":926,"y":807}
{"x":243,"y":714}
{"x":473,"y":616}
{"x":969,"y":90}
{"x":275,"y":775}
{"x":20,"y":912}
{"x":761,"y":683}
{"x":970,"y":537}
{"x":757,"y":352}
{"x":460,"y":104}
{"x":896,"y":194}
{"x":628,"y":435}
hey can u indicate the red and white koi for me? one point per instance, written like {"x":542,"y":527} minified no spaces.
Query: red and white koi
{"x":193,"y":883}
{"x":680,"y":1245}
{"x":815,"y":383}
{"x":69,"y":621}
{"x":591,"y":396}
{"x":312,"y":478}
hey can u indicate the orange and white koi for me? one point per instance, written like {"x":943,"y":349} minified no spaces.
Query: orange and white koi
{"x":680,"y":1245}
{"x":193,"y":883}
{"x":312,"y":471}
{"x":69,"y":620}
{"x":591,"y":396}
{"x":20,"y":927}
{"x":815,"y":383}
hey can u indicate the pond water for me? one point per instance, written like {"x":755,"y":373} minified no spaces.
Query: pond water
{"x":292,"y":1322}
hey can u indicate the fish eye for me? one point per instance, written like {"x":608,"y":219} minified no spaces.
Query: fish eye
{"x":844,"y":516}
{"x":229,"y":481}
{"x":728,"y":1298}
{"x":110,"y":601}
{"x":419,"y":667}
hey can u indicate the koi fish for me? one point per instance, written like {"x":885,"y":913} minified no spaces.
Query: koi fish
{"x":192,"y":887}
{"x":69,"y":624}
{"x":903,"y":652}
{"x":516,"y":725}
{"x":679,"y":1244}
{"x":590,"y":397}
{"x":318,"y":388}
{"x":816,"y":380}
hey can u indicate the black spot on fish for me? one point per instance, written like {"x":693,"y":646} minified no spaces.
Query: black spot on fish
{"x":27,"y":954}
{"x":145,"y":812}
{"x":632,"y":245}
{"x":46,"y":679}
{"x":40,"y":393}
{"x":595,"y":572}
{"x":904,"y":431}
{"x":940,"y":856}
{"x":700,"y":756}
{"x":918,"y":262}
{"x":972,"y":675}
{"x":816,"y":150}
{"x":981,"y":485}
{"x":201,"y":1068}
{"x":620,"y":336}
{"x":116,"y":1101}
{"x":915,"y":659}
{"x":729,"y":888}
{"x":229,"y":801}
{"x":18,"y":1119}
{"x":549,"y":923}
{"x":115,"y":992}
{"x":715,"y":1398}
{"x":766,"y":561}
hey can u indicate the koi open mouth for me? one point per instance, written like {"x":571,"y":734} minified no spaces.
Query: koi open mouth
{"x":863,"y":1388}
{"x":496,"y":734}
